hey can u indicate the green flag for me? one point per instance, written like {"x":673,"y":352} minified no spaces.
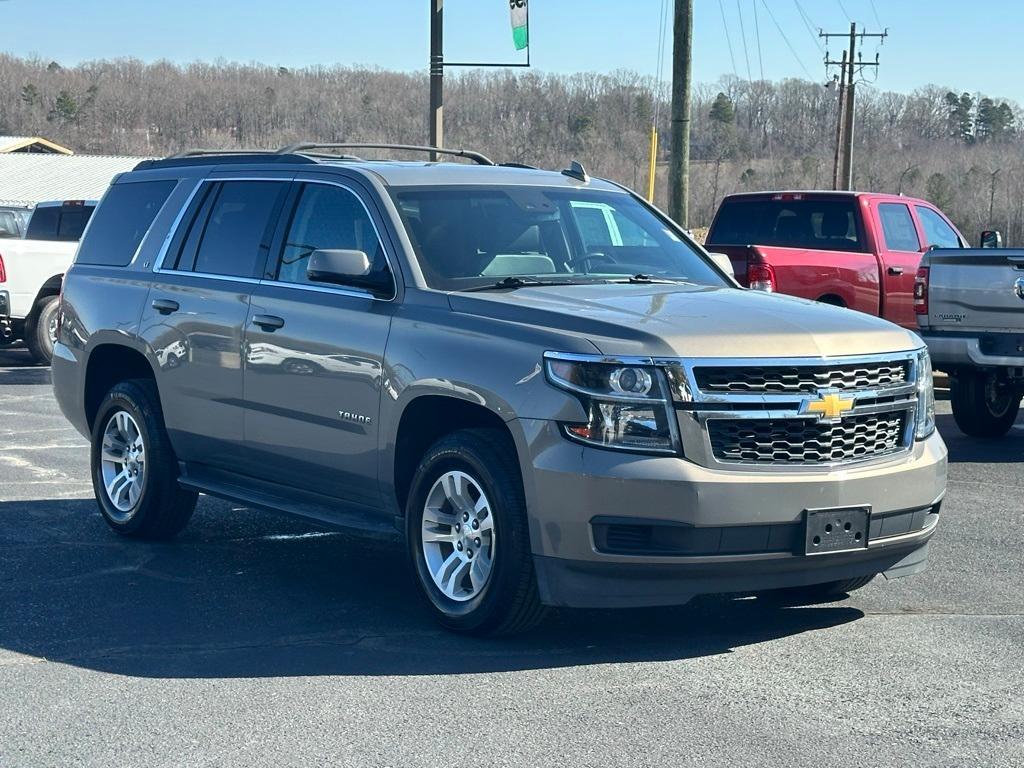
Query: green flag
{"x":520,"y":23}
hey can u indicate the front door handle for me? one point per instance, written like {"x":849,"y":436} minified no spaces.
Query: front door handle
{"x":895,"y":271}
{"x":165,"y":306}
{"x":268,"y":322}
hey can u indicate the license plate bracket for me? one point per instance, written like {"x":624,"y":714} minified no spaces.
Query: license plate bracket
{"x":836,"y":529}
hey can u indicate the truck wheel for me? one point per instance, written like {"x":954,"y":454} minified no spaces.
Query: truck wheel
{"x":41,"y":329}
{"x":134,"y":470}
{"x":981,"y":407}
{"x":467,"y":535}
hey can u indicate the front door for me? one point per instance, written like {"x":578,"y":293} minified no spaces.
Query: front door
{"x":314,"y":354}
{"x":900,"y":255}
{"x":196,"y":311}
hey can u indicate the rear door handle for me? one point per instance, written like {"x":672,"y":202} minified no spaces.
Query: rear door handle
{"x":895,"y":271}
{"x":268,"y":322}
{"x":165,"y":306}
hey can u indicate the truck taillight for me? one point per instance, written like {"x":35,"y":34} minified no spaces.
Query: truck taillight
{"x":921,"y":291}
{"x":3,"y":272}
{"x":761,"y":277}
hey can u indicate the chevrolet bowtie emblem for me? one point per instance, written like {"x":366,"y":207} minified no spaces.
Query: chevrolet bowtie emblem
{"x":830,"y":407}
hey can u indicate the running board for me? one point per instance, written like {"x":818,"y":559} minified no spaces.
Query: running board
{"x":253,"y":492}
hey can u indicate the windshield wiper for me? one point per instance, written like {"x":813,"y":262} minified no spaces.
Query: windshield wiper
{"x":643,"y":278}
{"x":515,"y":281}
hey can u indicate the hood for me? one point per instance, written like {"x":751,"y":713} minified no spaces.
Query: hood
{"x":691,"y":321}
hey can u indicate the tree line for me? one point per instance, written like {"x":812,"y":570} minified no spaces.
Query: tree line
{"x":963,"y":151}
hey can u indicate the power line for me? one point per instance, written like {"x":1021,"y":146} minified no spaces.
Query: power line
{"x":786,"y":40}
{"x":874,"y":10}
{"x":757,"y":31}
{"x":809,"y":25}
{"x":743,"y":34}
{"x":845,"y":12}
{"x":661,"y":60}
{"x":728,"y":39}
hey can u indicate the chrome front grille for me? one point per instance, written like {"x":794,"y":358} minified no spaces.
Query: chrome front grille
{"x":795,"y":413}
{"x":801,"y":379}
{"x":806,"y":441}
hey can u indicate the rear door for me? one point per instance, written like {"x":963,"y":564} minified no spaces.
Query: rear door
{"x":314,"y":351}
{"x":899,"y":250}
{"x":196,"y":310}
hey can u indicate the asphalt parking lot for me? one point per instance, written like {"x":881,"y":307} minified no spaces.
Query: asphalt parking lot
{"x":255,"y":640}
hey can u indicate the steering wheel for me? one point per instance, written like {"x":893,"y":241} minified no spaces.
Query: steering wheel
{"x":589,"y":258}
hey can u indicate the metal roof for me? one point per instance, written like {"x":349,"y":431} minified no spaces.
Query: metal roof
{"x":20,"y":143}
{"x":30,"y":178}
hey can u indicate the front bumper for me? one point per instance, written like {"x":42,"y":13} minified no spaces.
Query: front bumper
{"x":742,"y":527}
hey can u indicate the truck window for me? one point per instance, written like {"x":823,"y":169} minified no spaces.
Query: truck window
{"x":122,"y":221}
{"x":59,"y":223}
{"x":898,"y":228}
{"x":937,"y":232}
{"x":822,"y":225}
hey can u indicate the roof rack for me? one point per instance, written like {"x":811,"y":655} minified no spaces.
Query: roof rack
{"x":299,"y":148}
{"x":222,"y":157}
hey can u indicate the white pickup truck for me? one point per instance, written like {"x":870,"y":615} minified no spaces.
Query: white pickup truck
{"x":32,"y":269}
{"x":970,"y":308}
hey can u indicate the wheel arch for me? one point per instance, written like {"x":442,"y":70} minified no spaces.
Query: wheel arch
{"x":425,"y":419}
{"x":108,"y":364}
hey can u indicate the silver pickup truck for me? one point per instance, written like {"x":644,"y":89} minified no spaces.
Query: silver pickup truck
{"x":970,"y":307}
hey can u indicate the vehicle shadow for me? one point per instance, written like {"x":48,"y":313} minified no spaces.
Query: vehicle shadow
{"x":18,"y":367}
{"x":975,"y":450}
{"x":250,"y":594}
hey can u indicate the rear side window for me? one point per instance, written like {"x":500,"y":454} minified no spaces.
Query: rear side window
{"x":124,"y":218}
{"x":936,"y":231}
{"x":898,"y":227}
{"x":59,"y":223}
{"x":230,"y":233}
{"x":822,"y":225}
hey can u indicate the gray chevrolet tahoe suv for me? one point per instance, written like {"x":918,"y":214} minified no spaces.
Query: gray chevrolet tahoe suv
{"x":536,"y":377}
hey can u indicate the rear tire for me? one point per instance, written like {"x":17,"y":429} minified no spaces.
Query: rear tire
{"x":134,"y":469}
{"x":982,"y":408}
{"x":470,"y":481}
{"x":39,"y":329}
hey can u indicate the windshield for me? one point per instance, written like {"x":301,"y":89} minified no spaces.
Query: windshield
{"x":467,"y":237}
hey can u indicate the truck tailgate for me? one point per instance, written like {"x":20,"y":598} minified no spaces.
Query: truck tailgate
{"x":975,"y":290}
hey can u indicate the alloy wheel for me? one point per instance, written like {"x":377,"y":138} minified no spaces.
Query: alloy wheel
{"x":458,"y":534}
{"x":123,"y":464}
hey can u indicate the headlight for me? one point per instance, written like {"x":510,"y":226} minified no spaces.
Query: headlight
{"x":925,"y":397}
{"x":628,"y":405}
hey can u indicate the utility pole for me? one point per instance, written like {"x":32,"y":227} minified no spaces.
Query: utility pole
{"x":850,"y":66}
{"x":436,"y":117}
{"x":682,"y":59}
{"x":837,"y":160}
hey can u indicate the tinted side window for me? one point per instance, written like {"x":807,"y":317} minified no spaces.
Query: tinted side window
{"x":328,"y":217}
{"x":936,"y":231}
{"x":122,"y":221}
{"x":231,"y":234}
{"x":43,"y":224}
{"x":898,"y":227}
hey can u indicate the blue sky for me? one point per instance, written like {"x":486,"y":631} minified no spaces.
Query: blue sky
{"x":964,"y":46}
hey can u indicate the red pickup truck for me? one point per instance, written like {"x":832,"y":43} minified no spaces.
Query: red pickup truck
{"x":853,"y":249}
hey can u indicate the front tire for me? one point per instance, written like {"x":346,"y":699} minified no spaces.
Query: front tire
{"x":981,"y":406}
{"x":134,"y":469}
{"x":467,"y":535}
{"x":40,"y":329}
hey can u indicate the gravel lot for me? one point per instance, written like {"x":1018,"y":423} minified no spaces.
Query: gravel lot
{"x":255,"y":640}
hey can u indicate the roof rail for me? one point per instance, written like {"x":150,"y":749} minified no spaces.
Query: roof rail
{"x":222,"y":157}
{"x":476,"y":157}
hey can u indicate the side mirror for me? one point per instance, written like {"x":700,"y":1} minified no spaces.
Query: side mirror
{"x":991,"y":238}
{"x":723,"y":262}
{"x":337,"y":266}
